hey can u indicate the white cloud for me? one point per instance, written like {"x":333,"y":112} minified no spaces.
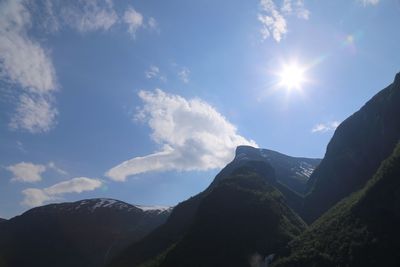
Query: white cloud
{"x":134,"y":20}
{"x":325,"y":127}
{"x":153,"y":24}
{"x":90,"y":15}
{"x":34,"y":113}
{"x":75,"y":185}
{"x":369,"y":2}
{"x":36,"y":197}
{"x":53,"y":166}
{"x":152,"y":72}
{"x":191,"y":134}
{"x":273,"y":18}
{"x":184,"y":74}
{"x":26,"y":172}
{"x":24,"y":62}
{"x":30,"y":173}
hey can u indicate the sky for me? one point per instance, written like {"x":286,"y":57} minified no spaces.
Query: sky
{"x":145,"y":101}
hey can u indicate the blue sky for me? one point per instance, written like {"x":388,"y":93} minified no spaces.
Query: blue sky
{"x":145,"y":101}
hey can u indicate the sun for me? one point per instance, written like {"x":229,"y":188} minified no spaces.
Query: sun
{"x":291,"y":76}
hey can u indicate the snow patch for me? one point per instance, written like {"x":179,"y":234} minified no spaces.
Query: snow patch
{"x":153,"y":208}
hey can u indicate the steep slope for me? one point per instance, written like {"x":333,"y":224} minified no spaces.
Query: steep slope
{"x":182,"y":217}
{"x":242,"y":218}
{"x":353,"y":155}
{"x":292,"y":172}
{"x":361,"y":230}
{"x":83,"y":233}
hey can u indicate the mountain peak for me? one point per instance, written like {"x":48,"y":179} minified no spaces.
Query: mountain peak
{"x":245,"y":149}
{"x":397,"y":78}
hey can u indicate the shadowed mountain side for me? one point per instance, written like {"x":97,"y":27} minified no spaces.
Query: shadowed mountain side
{"x":83,"y":233}
{"x":241,"y":218}
{"x":177,"y":224}
{"x":183,"y":214}
{"x":357,"y":148}
{"x":361,"y":230}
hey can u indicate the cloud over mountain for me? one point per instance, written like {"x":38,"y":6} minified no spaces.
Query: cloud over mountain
{"x":191,"y":134}
{"x":35,"y":197}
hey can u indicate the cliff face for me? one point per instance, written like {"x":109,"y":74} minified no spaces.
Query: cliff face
{"x":357,"y":148}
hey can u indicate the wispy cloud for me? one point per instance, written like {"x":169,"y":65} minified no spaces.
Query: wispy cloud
{"x":53,"y":166}
{"x":152,"y":23}
{"x":369,"y":2}
{"x":25,"y":63}
{"x":152,"y":72}
{"x":89,"y":15}
{"x":35,"y":197}
{"x":273,"y":17}
{"x":325,"y":127}
{"x":34,"y":113}
{"x":192,"y":135}
{"x":21,"y":147}
{"x":26,"y":172}
{"x":134,"y":20}
{"x":184,"y":74}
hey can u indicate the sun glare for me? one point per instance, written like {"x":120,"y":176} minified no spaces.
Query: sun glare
{"x":291,"y":76}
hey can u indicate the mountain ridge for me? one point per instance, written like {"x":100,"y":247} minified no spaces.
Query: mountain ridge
{"x":82,"y":233}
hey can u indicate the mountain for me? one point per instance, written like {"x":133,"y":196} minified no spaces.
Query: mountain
{"x":242,"y":218}
{"x":273,"y":167}
{"x":2,"y":220}
{"x":353,"y":155}
{"x":292,"y":172}
{"x":361,"y":230}
{"x":82,"y":233}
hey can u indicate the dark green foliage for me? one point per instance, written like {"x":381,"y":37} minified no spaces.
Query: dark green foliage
{"x":361,"y":230}
{"x":355,"y":152}
{"x":241,"y":217}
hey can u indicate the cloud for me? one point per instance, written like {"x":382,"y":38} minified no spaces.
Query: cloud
{"x":34,"y":113}
{"x":325,"y":127}
{"x":369,"y":2}
{"x":90,"y":15}
{"x":24,"y":62}
{"x":273,"y":18}
{"x":191,"y":134}
{"x":153,"y":24}
{"x":26,"y":172}
{"x":134,"y":20}
{"x":184,"y":74}
{"x":35,"y":197}
{"x":52,"y":165}
{"x":27,"y":64}
{"x":152,"y":72}
{"x":30,"y":173}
